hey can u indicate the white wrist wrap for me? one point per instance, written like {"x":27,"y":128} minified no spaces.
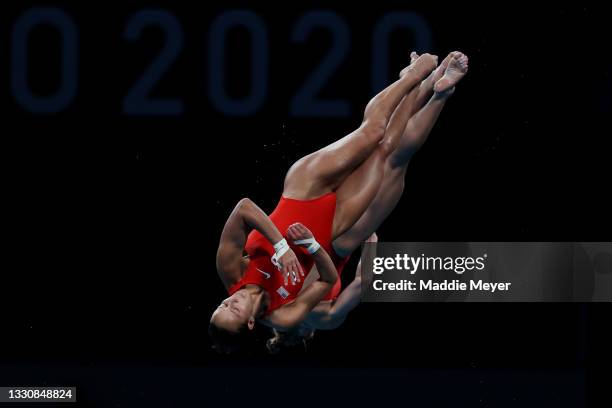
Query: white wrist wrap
{"x":280,"y":248}
{"x":312,"y":248}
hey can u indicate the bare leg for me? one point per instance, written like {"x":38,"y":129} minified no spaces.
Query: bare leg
{"x":356,"y":193}
{"x":414,"y":100}
{"x":323,"y":171}
{"x":392,"y":186}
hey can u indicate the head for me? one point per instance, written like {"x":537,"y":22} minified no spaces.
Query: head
{"x":294,"y":339}
{"x":232,"y":323}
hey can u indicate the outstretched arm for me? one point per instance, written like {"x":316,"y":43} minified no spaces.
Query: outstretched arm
{"x":245,"y":217}
{"x":294,"y":313}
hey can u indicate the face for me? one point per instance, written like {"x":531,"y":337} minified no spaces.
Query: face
{"x":234,"y":312}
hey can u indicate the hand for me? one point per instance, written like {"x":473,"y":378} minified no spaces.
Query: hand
{"x":297,"y":232}
{"x":291,"y":267}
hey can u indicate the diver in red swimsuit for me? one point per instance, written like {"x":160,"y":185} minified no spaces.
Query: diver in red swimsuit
{"x":330,"y":194}
{"x":422,"y":105}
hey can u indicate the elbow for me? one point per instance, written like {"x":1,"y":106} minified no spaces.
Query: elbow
{"x":244,"y":205}
{"x":245,"y":202}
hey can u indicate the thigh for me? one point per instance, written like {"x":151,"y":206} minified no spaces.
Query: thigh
{"x":326,"y":169}
{"x":355,"y":195}
{"x":381,"y":206}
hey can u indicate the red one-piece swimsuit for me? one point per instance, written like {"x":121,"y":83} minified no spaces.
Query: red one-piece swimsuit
{"x":318,"y":216}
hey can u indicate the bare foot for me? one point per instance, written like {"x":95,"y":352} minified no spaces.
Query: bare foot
{"x":456,"y":69}
{"x":421,"y":64}
{"x":413,"y":57}
{"x":439,"y":72}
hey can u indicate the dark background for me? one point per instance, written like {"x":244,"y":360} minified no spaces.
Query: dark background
{"x":112,"y":215}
